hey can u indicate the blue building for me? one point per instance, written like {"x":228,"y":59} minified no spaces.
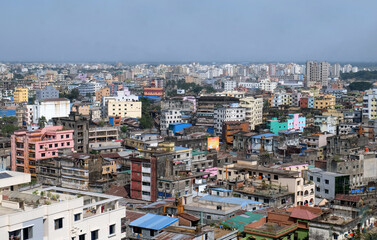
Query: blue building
{"x":177,"y":127}
{"x":150,"y":225}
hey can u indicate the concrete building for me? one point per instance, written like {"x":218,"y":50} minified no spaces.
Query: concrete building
{"x":87,"y":89}
{"x":29,"y":147}
{"x":317,"y":73}
{"x":123,"y":105}
{"x":48,"y":108}
{"x":231,"y":128}
{"x":328,"y":184}
{"x":151,"y":225}
{"x":327,"y":101}
{"x":103,"y":92}
{"x":225,"y":114}
{"x":229,"y":85}
{"x":253,"y":110}
{"x":60,"y":214}
{"x":49,"y":92}
{"x":326,"y":123}
{"x":267,"y":85}
{"x":307,"y":102}
{"x":21,"y":95}
{"x":144,"y":178}
{"x":293,"y":122}
{"x":169,"y":116}
{"x":370,"y":104}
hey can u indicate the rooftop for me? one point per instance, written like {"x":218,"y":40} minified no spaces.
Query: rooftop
{"x":153,"y":221}
{"x":232,"y":200}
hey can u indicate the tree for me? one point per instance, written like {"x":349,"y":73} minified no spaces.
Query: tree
{"x":146,"y":121}
{"x":123,"y":128}
{"x":360,"y":86}
{"x":42,"y":122}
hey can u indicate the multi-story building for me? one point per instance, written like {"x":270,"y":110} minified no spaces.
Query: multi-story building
{"x":317,"y":73}
{"x":87,"y":89}
{"x":49,"y":92}
{"x":169,"y":116}
{"x":327,"y":101}
{"x":326,"y":123}
{"x":281,"y":99}
{"x":253,"y":110}
{"x":370,"y":104}
{"x":267,"y":85}
{"x":206,"y":108}
{"x":59,"y":213}
{"x":122,"y":105}
{"x":230,"y":128}
{"x":144,"y":178}
{"x":103,"y":92}
{"x":328,"y":184}
{"x":225,"y":114}
{"x":29,"y":147}
{"x":303,"y":189}
{"x":293,"y":122}
{"x":48,"y":108}
{"x":21,"y":95}
{"x":81,"y":109}
{"x":159,"y":92}
{"x":230,"y":85}
{"x":307,"y":102}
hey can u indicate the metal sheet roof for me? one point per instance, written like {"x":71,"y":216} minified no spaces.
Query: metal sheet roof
{"x":153,"y":221}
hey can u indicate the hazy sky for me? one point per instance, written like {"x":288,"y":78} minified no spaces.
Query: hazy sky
{"x":188,"y":30}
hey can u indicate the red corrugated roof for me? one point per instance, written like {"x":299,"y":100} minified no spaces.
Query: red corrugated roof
{"x":348,"y":198}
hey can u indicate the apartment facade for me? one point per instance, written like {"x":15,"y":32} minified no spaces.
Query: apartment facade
{"x":29,"y":147}
{"x":48,"y":108}
{"x":225,"y":114}
{"x":21,"y":95}
{"x":253,"y":110}
{"x":48,"y":92}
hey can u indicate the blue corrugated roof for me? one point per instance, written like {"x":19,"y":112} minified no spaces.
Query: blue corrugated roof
{"x":264,"y":135}
{"x":153,"y":221}
{"x":232,"y":200}
{"x":221,"y":190}
{"x":180,"y":148}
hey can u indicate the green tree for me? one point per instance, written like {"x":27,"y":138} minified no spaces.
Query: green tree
{"x":146,"y":121}
{"x":123,"y":128}
{"x":42,"y":122}
{"x":360,"y":86}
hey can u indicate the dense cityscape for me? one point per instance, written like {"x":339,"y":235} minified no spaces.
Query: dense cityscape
{"x":188,"y":151}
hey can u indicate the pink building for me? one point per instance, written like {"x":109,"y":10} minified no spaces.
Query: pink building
{"x":29,"y":147}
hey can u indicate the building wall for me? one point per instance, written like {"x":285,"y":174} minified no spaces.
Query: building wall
{"x":124,"y":109}
{"x":21,"y":95}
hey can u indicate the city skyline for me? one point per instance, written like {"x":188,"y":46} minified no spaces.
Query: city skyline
{"x":176,"y":31}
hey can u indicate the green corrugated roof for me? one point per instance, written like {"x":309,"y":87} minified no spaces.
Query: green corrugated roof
{"x":242,"y":220}
{"x":194,"y":153}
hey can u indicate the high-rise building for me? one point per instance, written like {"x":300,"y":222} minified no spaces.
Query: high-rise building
{"x":370,"y":104}
{"x":317,"y":73}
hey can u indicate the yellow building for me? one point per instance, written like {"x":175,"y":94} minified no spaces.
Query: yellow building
{"x":325,"y":102}
{"x":21,"y":95}
{"x":81,"y":109}
{"x":131,"y":109}
{"x":109,"y":166}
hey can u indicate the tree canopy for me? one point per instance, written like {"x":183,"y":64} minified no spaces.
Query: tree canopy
{"x":360,"y":86}
{"x":361,"y":75}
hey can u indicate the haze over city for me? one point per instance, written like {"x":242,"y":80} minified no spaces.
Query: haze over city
{"x":184,"y":31}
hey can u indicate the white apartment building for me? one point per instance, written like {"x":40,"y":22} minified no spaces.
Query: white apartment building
{"x":169,"y":116}
{"x":224,"y":114}
{"x":253,"y":110}
{"x":370,"y":104}
{"x":249,"y":85}
{"x":123,"y":105}
{"x":230,"y":85}
{"x":59,"y":213}
{"x":317,"y":73}
{"x":281,"y":99}
{"x":267,"y":85}
{"x":49,"y":108}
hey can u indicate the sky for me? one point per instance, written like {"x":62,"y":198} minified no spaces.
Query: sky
{"x":188,"y":30}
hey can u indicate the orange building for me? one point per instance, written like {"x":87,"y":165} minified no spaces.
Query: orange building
{"x":103,"y":92}
{"x":232,"y":127}
{"x":154,"y":92}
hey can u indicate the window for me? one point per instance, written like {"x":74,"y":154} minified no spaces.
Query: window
{"x":311,"y":178}
{"x":40,"y":146}
{"x":43,"y":154}
{"x":58,"y":223}
{"x":327,"y":181}
{"x":209,"y":217}
{"x":276,"y":177}
{"x":15,"y":234}
{"x":28,"y":233}
{"x":67,"y":136}
{"x":68,"y":143}
{"x":61,"y":136}
{"x":77,"y":216}
{"x":62,"y":144}
{"x":112,"y":229}
{"x":326,"y":191}
{"x":53,"y":153}
{"x":318,"y":179}
{"x":56,"y":145}
{"x":50,"y":145}
{"x":94,"y":235}
{"x":82,"y":237}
